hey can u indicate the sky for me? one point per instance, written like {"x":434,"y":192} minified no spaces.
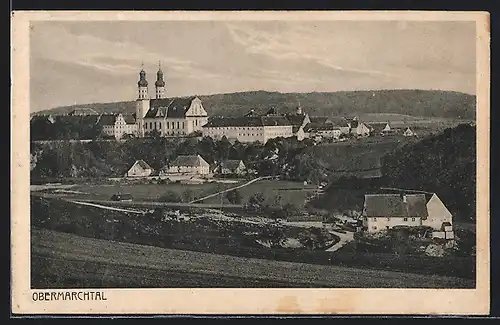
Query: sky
{"x":87,"y":62}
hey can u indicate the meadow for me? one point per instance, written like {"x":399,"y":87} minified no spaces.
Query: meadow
{"x":61,"y":260}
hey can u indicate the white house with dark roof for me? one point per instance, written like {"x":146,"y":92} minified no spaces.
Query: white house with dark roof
{"x":168,"y":116}
{"x":248,"y":128}
{"x":139,"y":169}
{"x":188,"y":164}
{"x":231,"y":167}
{"x":117,"y":125}
{"x":384,"y":211}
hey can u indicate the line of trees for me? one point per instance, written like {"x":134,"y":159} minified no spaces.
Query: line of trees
{"x":287,"y":158}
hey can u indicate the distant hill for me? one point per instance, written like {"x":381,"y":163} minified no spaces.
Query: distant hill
{"x":416,"y":103}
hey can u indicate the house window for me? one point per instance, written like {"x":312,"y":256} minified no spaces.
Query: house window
{"x":412,"y":219}
{"x":150,"y":125}
{"x":183,"y":125}
{"x":178,"y":125}
{"x":167,"y":125}
{"x":388,"y":219}
{"x":374,"y":227}
{"x":374,"y":219}
{"x":386,"y":227}
{"x":405,"y":219}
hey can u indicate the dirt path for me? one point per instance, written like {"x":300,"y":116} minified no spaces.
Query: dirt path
{"x":344,"y":239}
{"x":105,"y":207}
{"x":230,"y":189}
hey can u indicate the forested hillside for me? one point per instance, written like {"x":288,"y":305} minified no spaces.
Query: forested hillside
{"x":445,"y":164}
{"x":426,"y":103}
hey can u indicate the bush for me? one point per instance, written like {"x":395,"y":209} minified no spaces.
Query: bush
{"x":234,"y":197}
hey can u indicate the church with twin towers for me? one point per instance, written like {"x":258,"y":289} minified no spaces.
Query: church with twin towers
{"x":166,"y":116}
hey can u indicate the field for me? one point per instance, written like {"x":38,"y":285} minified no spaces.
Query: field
{"x":62,"y":260}
{"x":232,"y":236}
{"x":290,"y":192}
{"x":149,"y":192}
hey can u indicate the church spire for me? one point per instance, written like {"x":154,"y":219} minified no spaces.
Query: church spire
{"x":142,"y":84}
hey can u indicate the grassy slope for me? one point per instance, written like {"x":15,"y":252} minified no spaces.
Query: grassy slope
{"x":406,"y":102}
{"x":64,"y":260}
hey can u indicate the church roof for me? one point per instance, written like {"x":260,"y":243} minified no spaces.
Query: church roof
{"x":159,"y":79}
{"x":142,"y":79}
{"x":169,"y":107}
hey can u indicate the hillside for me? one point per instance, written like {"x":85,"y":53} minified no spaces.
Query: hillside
{"x":59,"y":258}
{"x":424,"y":103}
{"x":444,"y":164}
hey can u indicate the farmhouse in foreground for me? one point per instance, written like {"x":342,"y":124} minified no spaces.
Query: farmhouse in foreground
{"x":384,"y":211}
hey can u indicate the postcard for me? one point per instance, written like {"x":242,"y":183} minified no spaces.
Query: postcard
{"x":250,"y":162}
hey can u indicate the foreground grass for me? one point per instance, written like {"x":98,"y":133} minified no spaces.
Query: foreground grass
{"x":61,"y":260}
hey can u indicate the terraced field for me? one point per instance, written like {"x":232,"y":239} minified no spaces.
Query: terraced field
{"x":61,"y":260}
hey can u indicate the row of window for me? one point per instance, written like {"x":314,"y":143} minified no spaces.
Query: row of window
{"x":389,"y":219}
{"x":235,"y":128}
{"x":168,"y":125}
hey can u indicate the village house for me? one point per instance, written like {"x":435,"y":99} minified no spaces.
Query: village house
{"x":117,"y":125}
{"x":359,"y":128}
{"x":408,"y":132}
{"x":384,"y":211}
{"x":189,"y":164}
{"x":167,"y":116}
{"x":139,"y":169}
{"x":327,"y":131}
{"x":231,"y":167}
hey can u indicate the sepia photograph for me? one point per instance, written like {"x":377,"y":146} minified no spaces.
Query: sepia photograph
{"x":170,"y":153}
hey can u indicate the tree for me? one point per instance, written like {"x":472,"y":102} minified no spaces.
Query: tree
{"x":256,"y":199}
{"x":234,"y":197}
{"x":153,"y":134}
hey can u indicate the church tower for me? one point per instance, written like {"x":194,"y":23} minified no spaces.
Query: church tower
{"x":299,"y":110}
{"x":142,"y":85}
{"x":160,"y":83}
{"x":142,"y":103}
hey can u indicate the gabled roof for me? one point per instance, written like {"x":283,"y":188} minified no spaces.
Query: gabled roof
{"x":142,"y":164}
{"x":129,"y":119}
{"x":231,"y":164}
{"x":296,"y":119}
{"x":376,"y":127}
{"x":189,"y":161}
{"x":394,"y":205}
{"x":318,"y":119}
{"x":338,"y":121}
{"x":107,"y":119}
{"x":250,"y":121}
{"x":320,"y":127}
{"x":169,"y":107}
